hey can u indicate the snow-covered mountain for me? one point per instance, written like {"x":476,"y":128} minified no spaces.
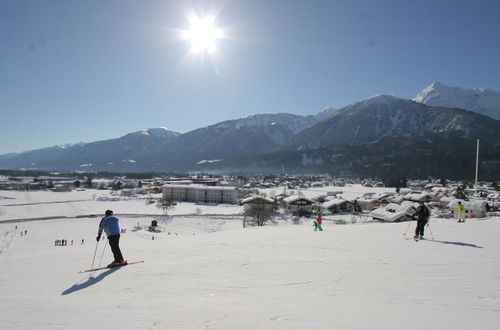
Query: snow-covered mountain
{"x":161,"y":150}
{"x":378,"y":126}
{"x":233,"y":138}
{"x":99,"y":155}
{"x":481,"y":100}
{"x":384,"y":135}
{"x":389,"y":116}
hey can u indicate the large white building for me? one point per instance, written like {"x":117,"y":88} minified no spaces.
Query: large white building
{"x":199,"y":193}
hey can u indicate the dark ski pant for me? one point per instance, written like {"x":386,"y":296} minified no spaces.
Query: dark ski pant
{"x":115,"y":248}
{"x":420,"y":227}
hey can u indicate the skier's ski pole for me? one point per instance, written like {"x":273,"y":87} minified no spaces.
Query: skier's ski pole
{"x":409,"y":224}
{"x":93,"y":259}
{"x":430,"y":231}
{"x":102,"y":256}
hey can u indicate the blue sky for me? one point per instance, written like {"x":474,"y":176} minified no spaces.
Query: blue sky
{"x":81,"y":71}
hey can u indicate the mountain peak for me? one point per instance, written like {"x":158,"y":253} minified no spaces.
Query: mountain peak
{"x":481,"y":100}
{"x":383,"y":99}
{"x":326,"y":112}
{"x":160,"y":131}
{"x":437,"y":84}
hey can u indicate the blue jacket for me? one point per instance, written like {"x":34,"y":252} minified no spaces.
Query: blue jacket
{"x":110,"y":225}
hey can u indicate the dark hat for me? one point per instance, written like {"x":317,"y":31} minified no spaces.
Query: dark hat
{"x":108,"y":212}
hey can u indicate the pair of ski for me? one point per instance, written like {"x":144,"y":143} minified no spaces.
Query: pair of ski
{"x":415,"y":238}
{"x":109,"y":267}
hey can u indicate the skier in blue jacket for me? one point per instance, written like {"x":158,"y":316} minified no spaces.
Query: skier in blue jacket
{"x":110,"y":226}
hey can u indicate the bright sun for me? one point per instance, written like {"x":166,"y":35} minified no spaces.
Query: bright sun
{"x":203,"y":34}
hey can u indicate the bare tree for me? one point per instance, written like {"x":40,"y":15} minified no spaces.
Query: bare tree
{"x":166,"y":204}
{"x":257,"y":213}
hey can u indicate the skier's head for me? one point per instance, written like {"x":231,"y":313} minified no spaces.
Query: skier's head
{"x":108,"y":213}
{"x":459,"y":203}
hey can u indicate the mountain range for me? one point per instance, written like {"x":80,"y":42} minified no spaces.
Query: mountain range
{"x":432,"y":135}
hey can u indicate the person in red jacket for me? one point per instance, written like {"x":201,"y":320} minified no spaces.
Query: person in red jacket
{"x":319,"y":222}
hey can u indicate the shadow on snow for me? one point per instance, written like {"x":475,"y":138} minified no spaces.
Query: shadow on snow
{"x":89,"y":282}
{"x":456,"y":243}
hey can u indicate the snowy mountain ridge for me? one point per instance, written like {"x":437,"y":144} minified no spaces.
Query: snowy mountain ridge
{"x":381,"y":117}
{"x":293,"y":122}
{"x":481,"y":100}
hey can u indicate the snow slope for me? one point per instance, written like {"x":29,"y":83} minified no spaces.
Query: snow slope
{"x":358,"y":276}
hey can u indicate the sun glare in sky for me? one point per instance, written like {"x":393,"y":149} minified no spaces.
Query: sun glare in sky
{"x":202,"y":33}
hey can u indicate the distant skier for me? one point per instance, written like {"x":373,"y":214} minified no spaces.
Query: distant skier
{"x":319,"y":222}
{"x":110,"y":226}
{"x":461,"y":212}
{"x":422,"y":215}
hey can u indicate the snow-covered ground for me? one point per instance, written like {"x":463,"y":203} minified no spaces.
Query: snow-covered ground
{"x":207,"y":272}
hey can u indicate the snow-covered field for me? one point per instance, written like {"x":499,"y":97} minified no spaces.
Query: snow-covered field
{"x":207,"y":272}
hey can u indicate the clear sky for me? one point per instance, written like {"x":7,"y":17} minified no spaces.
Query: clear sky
{"x":81,"y":71}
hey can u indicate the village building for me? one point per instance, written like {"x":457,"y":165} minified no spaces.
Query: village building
{"x":420,"y":197}
{"x":394,"y":212}
{"x":251,"y":202}
{"x":199,"y":193}
{"x":63,"y":187}
{"x":370,"y":201}
{"x":299,"y":205}
{"x":473,"y":208}
{"x":338,"y":205}
{"x":396,"y":199}
{"x":493,"y":199}
{"x":444,"y":201}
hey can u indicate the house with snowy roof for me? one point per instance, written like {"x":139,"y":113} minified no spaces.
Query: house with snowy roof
{"x":370,"y":201}
{"x":337,"y":205}
{"x":493,"y":199}
{"x":473,"y":208}
{"x":396,"y":199}
{"x":299,"y":205}
{"x":420,"y":197}
{"x":394,"y":212}
{"x":251,"y":202}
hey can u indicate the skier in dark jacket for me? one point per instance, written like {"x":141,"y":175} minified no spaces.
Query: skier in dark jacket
{"x":422,"y":215}
{"x":110,"y":226}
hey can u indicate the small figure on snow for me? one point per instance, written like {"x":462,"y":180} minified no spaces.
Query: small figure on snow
{"x":110,"y":226}
{"x":461,"y":212}
{"x":422,"y":215}
{"x":318,"y":223}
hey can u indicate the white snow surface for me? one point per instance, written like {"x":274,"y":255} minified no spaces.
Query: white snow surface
{"x":207,"y":272}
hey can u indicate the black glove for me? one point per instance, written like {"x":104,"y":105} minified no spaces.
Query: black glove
{"x":98,"y":238}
